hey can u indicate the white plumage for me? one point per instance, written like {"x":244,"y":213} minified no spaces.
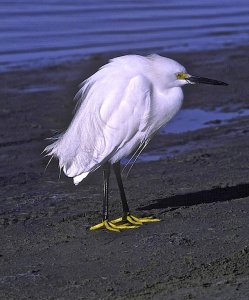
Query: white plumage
{"x":119,"y":108}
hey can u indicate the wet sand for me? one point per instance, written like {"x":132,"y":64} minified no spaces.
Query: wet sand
{"x":199,"y":250}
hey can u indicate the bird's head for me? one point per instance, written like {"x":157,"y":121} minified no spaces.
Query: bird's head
{"x":169,"y":73}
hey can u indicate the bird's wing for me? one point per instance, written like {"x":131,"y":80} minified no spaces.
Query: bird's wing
{"x":112,"y":114}
{"x":124,"y":118}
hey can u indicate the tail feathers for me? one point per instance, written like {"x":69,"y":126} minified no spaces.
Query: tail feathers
{"x":77,"y":179}
{"x":71,"y":162}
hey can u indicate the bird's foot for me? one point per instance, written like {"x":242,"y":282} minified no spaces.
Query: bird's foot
{"x":130,"y":219}
{"x":109,"y":225}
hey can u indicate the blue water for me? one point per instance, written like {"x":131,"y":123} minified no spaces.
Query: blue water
{"x":196,"y":118}
{"x":34,"y":33}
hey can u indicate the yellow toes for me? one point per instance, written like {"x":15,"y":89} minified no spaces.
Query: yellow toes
{"x":130,"y":222}
{"x":145,"y":219}
{"x":109,"y":225}
{"x":126,"y":226}
{"x":97,"y":226}
{"x":117,"y":220}
{"x":135,"y":220}
{"x":105,"y":224}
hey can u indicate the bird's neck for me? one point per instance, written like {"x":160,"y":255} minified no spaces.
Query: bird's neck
{"x":166,"y":105}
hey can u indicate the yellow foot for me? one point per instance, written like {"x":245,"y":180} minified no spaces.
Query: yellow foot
{"x":112,"y":227}
{"x":135,"y":220}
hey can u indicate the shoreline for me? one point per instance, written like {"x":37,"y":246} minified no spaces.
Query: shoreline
{"x":29,"y":66}
{"x":198,"y":250}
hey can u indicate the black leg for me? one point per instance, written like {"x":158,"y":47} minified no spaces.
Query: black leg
{"x":126,"y":210}
{"x":127,"y":221}
{"x":110,"y":225}
{"x":106,"y":176}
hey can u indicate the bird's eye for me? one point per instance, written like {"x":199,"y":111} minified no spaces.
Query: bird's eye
{"x":181,"y":75}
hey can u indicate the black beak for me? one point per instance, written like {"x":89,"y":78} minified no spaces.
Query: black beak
{"x":196,"y":79}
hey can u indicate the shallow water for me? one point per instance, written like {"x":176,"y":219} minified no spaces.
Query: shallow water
{"x":196,"y":118}
{"x":35,"y":33}
{"x":190,"y":120}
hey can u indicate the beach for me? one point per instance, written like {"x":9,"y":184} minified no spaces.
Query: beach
{"x":199,"y":250}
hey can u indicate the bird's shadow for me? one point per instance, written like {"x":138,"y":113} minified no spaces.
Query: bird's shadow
{"x":218,"y":194}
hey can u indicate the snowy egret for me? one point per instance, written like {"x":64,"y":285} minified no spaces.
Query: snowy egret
{"x":119,"y":110}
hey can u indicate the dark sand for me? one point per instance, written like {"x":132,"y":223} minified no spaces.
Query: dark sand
{"x":200,"y":249}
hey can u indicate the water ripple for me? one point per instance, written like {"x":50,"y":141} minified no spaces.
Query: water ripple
{"x":46,"y":32}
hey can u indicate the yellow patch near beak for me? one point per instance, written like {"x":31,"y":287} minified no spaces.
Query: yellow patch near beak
{"x":182,"y":75}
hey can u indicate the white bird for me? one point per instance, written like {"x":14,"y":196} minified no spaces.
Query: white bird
{"x":119,"y":110}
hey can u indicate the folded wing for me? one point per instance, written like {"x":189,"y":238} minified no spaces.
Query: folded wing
{"x":110,"y":122}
